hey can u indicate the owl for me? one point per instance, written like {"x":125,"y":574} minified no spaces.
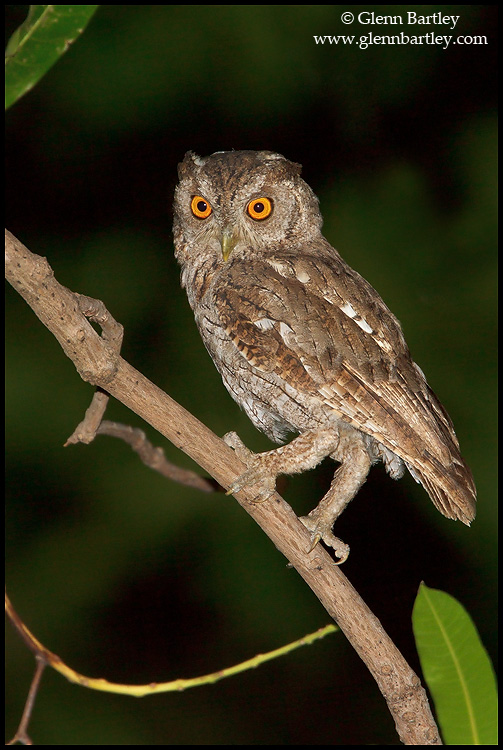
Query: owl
{"x":303,"y":343}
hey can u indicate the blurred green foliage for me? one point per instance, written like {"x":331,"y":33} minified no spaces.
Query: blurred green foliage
{"x":129,"y":577}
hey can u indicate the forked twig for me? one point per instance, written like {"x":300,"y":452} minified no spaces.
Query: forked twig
{"x":93,"y":424}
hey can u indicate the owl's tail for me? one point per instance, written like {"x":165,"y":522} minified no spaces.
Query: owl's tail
{"x":452,"y":490}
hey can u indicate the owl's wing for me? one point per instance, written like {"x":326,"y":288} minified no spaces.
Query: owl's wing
{"x":321,"y":328}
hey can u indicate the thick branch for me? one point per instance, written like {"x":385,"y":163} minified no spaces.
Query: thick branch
{"x":98,"y":363}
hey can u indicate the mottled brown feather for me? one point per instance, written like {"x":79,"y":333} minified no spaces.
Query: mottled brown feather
{"x":302,"y":341}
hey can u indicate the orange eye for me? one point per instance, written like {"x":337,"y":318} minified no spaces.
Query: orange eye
{"x":259,"y":208}
{"x":200,"y":207}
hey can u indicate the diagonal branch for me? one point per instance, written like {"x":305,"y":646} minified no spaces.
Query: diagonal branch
{"x":98,"y":362}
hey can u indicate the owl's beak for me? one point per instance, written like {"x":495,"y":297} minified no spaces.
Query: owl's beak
{"x":228,"y":242}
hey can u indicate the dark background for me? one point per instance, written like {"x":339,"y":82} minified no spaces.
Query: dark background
{"x":130,"y":577}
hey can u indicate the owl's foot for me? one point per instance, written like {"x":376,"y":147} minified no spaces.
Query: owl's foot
{"x":349,"y":477}
{"x":321,"y":531}
{"x":258,"y":471}
{"x":301,"y":454}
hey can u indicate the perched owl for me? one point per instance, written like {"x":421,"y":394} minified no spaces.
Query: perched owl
{"x":303,"y":343}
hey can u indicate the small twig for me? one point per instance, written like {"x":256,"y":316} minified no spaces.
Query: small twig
{"x":22,"y":735}
{"x":154,"y":457}
{"x":86,"y":431}
{"x":47,"y":658}
{"x":112,"y":332}
{"x":95,"y":310}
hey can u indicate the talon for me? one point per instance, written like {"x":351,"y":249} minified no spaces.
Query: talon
{"x":321,"y":533}
{"x":342,"y":559}
{"x":260,"y":498}
{"x":315,"y":538}
{"x":256,"y":473}
{"x":249,"y":478}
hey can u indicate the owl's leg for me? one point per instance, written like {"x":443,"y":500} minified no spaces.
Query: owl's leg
{"x":301,"y":454}
{"x":349,"y":477}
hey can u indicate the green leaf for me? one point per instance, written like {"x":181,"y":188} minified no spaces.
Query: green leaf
{"x":456,"y":668}
{"x":39,"y":42}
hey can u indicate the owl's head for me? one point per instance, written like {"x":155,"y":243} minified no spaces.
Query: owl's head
{"x":234,"y":203}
